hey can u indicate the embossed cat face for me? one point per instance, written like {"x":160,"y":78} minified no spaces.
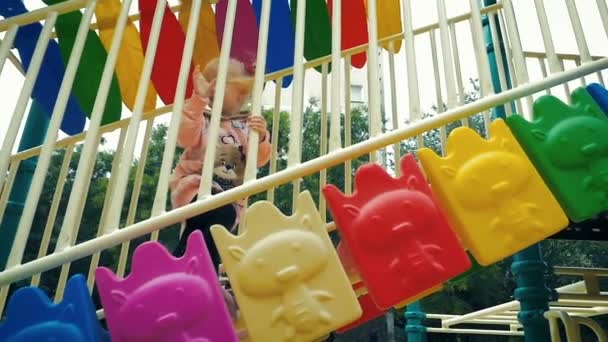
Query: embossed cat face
{"x":389,"y":218}
{"x":576,"y":141}
{"x":165,"y":304}
{"x":279,"y":260}
{"x":499,"y":173}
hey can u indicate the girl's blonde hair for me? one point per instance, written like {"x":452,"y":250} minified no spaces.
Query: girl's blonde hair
{"x":237,"y":74}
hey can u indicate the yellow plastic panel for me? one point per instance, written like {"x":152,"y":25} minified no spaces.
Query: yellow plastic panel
{"x":206,"y":44}
{"x":495,"y":198}
{"x":130,"y":62}
{"x":286,"y":275}
{"x":389,"y":21}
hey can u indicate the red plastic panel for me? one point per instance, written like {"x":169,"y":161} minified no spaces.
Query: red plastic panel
{"x":165,"y":71}
{"x":354,"y":28}
{"x":398,"y":236}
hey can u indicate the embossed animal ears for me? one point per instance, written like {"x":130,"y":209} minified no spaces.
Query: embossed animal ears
{"x":549,"y":110}
{"x":372,"y":180}
{"x":265,"y":214}
{"x":29,"y":306}
{"x":163,"y":262}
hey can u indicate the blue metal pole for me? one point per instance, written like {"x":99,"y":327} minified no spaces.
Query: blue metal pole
{"x":33,"y":135}
{"x":533,"y":295}
{"x":415,"y":329}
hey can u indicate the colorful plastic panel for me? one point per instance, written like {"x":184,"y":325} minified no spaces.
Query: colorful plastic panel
{"x":569,"y":147}
{"x":280,"y":37}
{"x":90,"y":67}
{"x":493,"y":195}
{"x":317,"y":34}
{"x":206,"y":45}
{"x":600,"y":95}
{"x":398,"y":236}
{"x":475,"y":267}
{"x":286,"y":275}
{"x":245,"y":33}
{"x":46,"y":88}
{"x":130,"y":61}
{"x":354,"y":28}
{"x":32,"y":316}
{"x":370,"y":312}
{"x":389,"y":21}
{"x":166,"y":299}
{"x":168,"y":58}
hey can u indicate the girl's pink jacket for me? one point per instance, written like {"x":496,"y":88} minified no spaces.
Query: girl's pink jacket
{"x":184,"y":182}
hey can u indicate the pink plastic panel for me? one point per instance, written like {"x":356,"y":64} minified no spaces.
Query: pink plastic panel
{"x":245,"y":33}
{"x":166,"y":299}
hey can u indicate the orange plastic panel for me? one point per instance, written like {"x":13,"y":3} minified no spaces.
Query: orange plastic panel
{"x":492,"y":193}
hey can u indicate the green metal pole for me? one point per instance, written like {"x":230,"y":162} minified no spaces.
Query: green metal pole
{"x":528,"y":266}
{"x":533,"y":295}
{"x":33,"y":135}
{"x":497,"y":112}
{"x":415,"y":329}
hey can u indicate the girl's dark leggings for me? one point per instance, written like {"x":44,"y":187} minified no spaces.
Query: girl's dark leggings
{"x":224,"y":216}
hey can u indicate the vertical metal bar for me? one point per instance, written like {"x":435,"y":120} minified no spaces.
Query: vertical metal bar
{"x":295,"y":143}
{"x":160,"y":197}
{"x":394,"y":109}
{"x":115,"y":210}
{"x":348,"y":166}
{"x":24,"y":95}
{"x":545,"y":30}
{"x":276,"y":122}
{"x":46,"y":152}
{"x":579,"y":33}
{"x":323,"y":141}
{"x":50,"y":222}
{"x":336,"y":48}
{"x":7,"y":43}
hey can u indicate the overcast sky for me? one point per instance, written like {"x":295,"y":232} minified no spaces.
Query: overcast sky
{"x":424,"y":13}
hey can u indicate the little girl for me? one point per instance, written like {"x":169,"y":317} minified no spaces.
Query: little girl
{"x":234,"y":130}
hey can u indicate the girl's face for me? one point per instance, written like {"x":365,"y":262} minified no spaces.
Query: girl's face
{"x":234,"y":98}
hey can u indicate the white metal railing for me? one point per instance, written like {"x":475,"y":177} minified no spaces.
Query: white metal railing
{"x":577,"y":303}
{"x":448,"y":82}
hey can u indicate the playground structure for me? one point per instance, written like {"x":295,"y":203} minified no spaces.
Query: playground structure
{"x":465,"y":210}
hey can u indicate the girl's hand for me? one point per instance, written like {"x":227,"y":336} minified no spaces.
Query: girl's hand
{"x":257,"y":123}
{"x":202,"y":88}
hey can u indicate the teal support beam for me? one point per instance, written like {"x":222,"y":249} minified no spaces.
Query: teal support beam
{"x":414,"y":327}
{"x":499,"y":111}
{"x":33,"y":135}
{"x":530,"y":271}
{"x":528,"y":266}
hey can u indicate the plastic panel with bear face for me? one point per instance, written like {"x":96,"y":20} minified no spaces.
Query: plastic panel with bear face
{"x":166,"y":299}
{"x":398,"y":237}
{"x":286,"y":275}
{"x":32,"y":316}
{"x":492,"y":193}
{"x":569,"y":147}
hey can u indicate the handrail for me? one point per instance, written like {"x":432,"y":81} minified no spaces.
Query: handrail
{"x":572,"y":326}
{"x":287,"y":175}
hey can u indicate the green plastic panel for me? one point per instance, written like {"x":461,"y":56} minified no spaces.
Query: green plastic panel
{"x":317,"y":34}
{"x":569,"y":147}
{"x":90,"y":68}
